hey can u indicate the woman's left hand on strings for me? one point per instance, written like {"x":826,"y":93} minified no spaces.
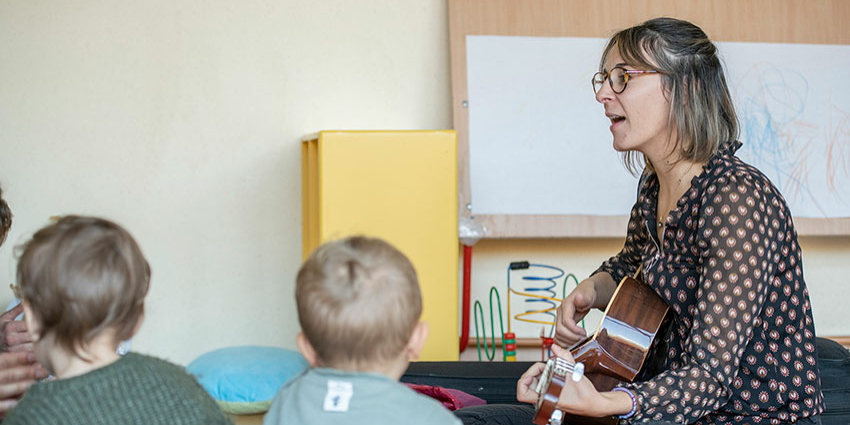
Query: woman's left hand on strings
{"x":526,"y":385}
{"x":581,"y":398}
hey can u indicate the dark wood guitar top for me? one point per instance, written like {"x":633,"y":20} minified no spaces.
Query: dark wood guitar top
{"x":618,"y":349}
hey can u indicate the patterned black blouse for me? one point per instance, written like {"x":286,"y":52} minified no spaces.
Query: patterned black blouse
{"x":742,"y":346}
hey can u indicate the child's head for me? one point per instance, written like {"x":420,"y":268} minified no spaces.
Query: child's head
{"x":81,"y":276}
{"x":5,"y":218}
{"x":358,"y":303}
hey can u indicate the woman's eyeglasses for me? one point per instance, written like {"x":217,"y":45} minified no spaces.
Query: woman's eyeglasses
{"x":617,"y":78}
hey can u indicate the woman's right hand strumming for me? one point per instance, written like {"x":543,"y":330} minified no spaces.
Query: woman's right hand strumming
{"x":593,"y":292}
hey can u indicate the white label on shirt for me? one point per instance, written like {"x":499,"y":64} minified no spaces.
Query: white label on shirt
{"x":338,"y":396}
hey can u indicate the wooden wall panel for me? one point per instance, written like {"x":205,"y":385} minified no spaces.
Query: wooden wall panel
{"x":786,"y":21}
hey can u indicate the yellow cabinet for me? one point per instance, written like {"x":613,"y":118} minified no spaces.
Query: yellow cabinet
{"x":400,"y":186}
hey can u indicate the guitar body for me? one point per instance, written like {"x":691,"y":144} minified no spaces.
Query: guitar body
{"x":619,"y":348}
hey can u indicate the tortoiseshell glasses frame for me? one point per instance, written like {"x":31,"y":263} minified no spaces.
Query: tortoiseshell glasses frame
{"x":618,"y":78}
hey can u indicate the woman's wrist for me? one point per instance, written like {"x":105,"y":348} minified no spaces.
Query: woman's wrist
{"x":602,"y":286}
{"x":622,"y":402}
{"x":587,"y":286}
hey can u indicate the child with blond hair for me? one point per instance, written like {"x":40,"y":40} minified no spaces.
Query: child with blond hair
{"x":359,"y":306}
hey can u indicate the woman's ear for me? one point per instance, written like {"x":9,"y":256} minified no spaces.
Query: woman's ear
{"x":33,"y":325}
{"x":306,"y":349}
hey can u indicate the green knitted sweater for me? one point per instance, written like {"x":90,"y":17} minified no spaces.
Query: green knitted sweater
{"x":136,"y":389}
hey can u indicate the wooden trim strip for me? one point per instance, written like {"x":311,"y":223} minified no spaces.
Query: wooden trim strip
{"x":520,"y":342}
{"x":843,"y":340}
{"x":535,"y":342}
{"x":500,"y":226}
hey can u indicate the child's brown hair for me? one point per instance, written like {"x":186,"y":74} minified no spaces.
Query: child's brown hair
{"x":358,"y":301}
{"x":81,"y":276}
{"x":5,"y":218}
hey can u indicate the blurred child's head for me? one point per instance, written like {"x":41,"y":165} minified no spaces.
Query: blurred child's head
{"x":80,"y":277}
{"x":5,"y":218}
{"x":359,"y":304}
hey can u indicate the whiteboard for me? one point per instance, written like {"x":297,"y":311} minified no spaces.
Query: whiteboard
{"x":539,"y":142}
{"x":793,"y":105}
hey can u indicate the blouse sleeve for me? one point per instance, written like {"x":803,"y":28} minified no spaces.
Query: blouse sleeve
{"x":739,"y":227}
{"x":626,"y":262}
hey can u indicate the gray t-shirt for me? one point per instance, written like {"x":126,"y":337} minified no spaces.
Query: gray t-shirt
{"x":328,"y":396}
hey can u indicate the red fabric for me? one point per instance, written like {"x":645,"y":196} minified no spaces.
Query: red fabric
{"x":450,"y":398}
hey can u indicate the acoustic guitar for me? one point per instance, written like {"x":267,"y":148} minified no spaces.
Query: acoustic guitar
{"x":617,"y":352}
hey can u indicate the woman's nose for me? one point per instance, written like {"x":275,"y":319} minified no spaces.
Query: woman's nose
{"x":605,"y":92}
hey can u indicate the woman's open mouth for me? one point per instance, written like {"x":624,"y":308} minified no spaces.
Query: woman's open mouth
{"x":616,"y":118}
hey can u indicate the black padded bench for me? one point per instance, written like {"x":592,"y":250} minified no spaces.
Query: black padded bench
{"x":495,"y":382}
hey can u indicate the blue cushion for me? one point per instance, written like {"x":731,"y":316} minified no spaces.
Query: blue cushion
{"x":244,"y":380}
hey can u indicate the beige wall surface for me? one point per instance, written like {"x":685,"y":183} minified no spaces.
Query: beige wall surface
{"x":182,"y":121}
{"x":825,"y":259}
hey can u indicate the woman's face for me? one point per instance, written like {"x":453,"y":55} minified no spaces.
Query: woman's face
{"x":638,"y":115}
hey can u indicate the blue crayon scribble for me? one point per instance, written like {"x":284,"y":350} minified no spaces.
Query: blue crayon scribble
{"x":777,"y":138}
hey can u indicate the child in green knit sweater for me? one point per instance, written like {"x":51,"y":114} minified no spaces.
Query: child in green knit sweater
{"x":83,"y":282}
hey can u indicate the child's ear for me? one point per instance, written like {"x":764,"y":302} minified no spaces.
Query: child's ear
{"x":138,"y":323}
{"x":33,"y":326}
{"x":306,"y":349}
{"x":417,"y":340}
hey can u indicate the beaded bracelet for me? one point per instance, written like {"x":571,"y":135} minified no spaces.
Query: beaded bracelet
{"x":634,"y":402}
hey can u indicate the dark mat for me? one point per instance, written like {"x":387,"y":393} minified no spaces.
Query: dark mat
{"x":834,"y":366}
{"x":495,"y":382}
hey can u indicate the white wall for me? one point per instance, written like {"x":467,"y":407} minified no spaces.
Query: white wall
{"x":182,"y":121}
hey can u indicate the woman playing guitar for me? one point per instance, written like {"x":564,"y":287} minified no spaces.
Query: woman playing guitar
{"x":715,"y":241}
